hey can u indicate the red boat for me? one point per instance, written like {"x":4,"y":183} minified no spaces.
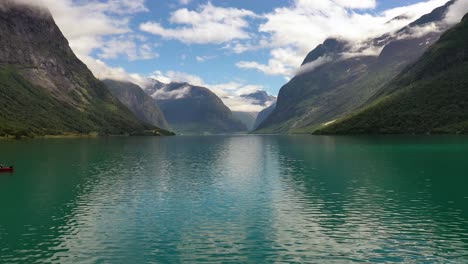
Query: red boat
{"x":6,"y":169}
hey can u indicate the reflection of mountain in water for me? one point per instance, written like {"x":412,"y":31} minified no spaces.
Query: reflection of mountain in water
{"x":234,"y":198}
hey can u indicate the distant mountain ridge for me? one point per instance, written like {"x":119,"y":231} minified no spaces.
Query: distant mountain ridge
{"x":337,"y":77}
{"x":193,"y":109}
{"x":263,"y":115}
{"x":140,"y":103}
{"x":260,"y":97}
{"x":45,"y":88}
{"x":430,"y":96}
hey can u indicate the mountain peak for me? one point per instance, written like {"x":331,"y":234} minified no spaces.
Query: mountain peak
{"x":329,"y":46}
{"x":48,"y":89}
{"x":194,"y":109}
{"x":436,"y":16}
{"x":261,"y":97}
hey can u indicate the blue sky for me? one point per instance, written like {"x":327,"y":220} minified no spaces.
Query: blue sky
{"x":231,"y":47}
{"x":220,"y":65}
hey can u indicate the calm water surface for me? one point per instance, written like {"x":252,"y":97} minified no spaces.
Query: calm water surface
{"x":239,"y":199}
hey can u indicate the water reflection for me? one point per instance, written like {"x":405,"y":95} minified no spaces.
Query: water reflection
{"x":236,"y":199}
{"x":373,"y":199}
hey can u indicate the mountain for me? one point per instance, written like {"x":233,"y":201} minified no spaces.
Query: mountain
{"x":339,"y":77}
{"x":247,"y":118}
{"x":192,"y":109}
{"x":263,"y":115}
{"x":141,"y":104}
{"x":45,"y":88}
{"x":260,"y":97}
{"x":430,"y":96}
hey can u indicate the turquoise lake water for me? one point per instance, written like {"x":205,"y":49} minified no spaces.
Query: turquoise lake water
{"x":235,"y":199}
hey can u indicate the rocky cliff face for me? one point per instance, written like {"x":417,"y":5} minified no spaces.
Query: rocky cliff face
{"x":338,"y":76}
{"x":45,"y":88}
{"x":263,"y":115}
{"x":430,"y":96}
{"x":140,"y":103}
{"x":260,"y":98}
{"x":194,"y":110}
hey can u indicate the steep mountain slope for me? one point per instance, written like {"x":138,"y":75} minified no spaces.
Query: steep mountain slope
{"x":194,"y":110}
{"x":247,"y":118}
{"x":263,"y":115}
{"x":338,"y":77}
{"x":140,"y":103}
{"x":430,"y":96}
{"x":45,"y":88}
{"x":260,"y":97}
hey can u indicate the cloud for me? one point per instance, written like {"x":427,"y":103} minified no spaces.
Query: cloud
{"x":207,"y":25}
{"x":295,"y":30}
{"x":361,"y":49}
{"x":308,"y":67}
{"x":103,"y":71}
{"x":417,"y":32}
{"x":175,"y":76}
{"x":100,"y":27}
{"x":184,"y":2}
{"x":205,"y":58}
{"x":230,"y":92}
{"x":283,"y":61}
{"x":274,"y":67}
{"x":118,"y":47}
{"x":357,"y":4}
{"x":164,"y":94}
{"x":8,"y":3}
{"x":457,"y":11}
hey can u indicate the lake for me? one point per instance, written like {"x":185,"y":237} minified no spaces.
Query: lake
{"x":238,"y":199}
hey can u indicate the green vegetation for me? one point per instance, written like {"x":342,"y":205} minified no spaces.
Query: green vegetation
{"x":343,"y":84}
{"x":141,"y":104}
{"x":430,"y":96}
{"x":29,"y":111}
{"x":46,"y":90}
{"x":247,"y":118}
{"x":198,"y":111}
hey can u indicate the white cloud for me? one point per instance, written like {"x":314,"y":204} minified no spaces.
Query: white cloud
{"x":308,"y":67}
{"x":101,"y":27}
{"x":283,"y":61}
{"x":103,"y":71}
{"x":362,"y":49}
{"x":117,"y":47}
{"x":229,"y":92}
{"x":164,"y":94}
{"x":358,"y":4}
{"x":295,"y":30}
{"x":457,"y":11}
{"x":208,"y":25}
{"x":205,"y":58}
{"x":417,"y":32}
{"x":175,"y":76}
{"x":274,"y":67}
{"x":184,"y":2}
{"x":241,"y":47}
{"x":289,"y":32}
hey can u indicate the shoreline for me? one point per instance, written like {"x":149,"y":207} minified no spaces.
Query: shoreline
{"x":68,"y":135}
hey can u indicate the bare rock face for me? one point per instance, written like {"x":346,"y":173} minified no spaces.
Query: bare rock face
{"x":339,"y":77}
{"x":32,"y":42}
{"x":44,"y":87}
{"x":140,"y":103}
{"x":193,"y":109}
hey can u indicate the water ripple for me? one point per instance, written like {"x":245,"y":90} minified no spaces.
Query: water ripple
{"x":240,"y":199}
